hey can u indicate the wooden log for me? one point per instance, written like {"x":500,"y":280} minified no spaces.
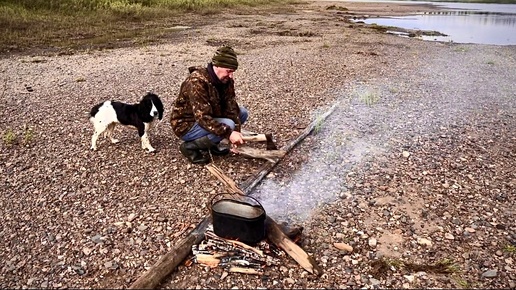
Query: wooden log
{"x":277,"y":237}
{"x":209,"y":260}
{"x":237,"y":243}
{"x":235,"y":269}
{"x":269,"y":155}
{"x":161,"y":269}
{"x":274,"y":232}
{"x":250,"y":183}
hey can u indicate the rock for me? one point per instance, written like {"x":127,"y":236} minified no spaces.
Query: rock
{"x":343,"y":246}
{"x":449,"y":236}
{"x":424,"y":242}
{"x":490,"y":274}
{"x":86,"y":250}
{"x":131,"y":217}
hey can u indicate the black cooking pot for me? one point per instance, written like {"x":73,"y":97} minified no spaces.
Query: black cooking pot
{"x":238,"y":217}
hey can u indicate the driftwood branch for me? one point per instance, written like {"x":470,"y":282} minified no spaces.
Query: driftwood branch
{"x":249,"y":184}
{"x":277,"y":237}
{"x":159,"y":271}
{"x":154,"y":275}
{"x":269,"y":155}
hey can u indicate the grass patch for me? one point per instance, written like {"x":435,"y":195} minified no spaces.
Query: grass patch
{"x":318,"y":125}
{"x":369,"y":98}
{"x":510,"y":249}
{"x":11,"y":138}
{"x":96,"y":24}
{"x":28,"y":135}
{"x":381,"y":267}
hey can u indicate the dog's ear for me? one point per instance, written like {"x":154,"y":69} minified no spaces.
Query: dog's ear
{"x":157,"y":102}
{"x":159,"y":106}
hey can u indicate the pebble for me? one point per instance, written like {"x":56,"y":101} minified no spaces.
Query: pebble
{"x":131,"y":217}
{"x":490,"y":274}
{"x":449,"y":236}
{"x":374,"y":282}
{"x":343,"y":246}
{"x":424,"y":242}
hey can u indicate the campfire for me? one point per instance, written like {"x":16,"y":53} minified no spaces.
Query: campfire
{"x":214,"y":251}
{"x":234,"y":256}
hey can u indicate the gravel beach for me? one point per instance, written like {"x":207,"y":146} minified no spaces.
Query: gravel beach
{"x":414,"y":169}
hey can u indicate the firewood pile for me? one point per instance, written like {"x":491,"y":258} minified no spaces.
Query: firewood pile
{"x":235,"y":256}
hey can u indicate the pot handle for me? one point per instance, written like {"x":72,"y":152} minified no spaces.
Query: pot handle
{"x":236,"y":197}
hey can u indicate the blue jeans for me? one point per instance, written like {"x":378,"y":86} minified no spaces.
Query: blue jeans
{"x":197,"y":131}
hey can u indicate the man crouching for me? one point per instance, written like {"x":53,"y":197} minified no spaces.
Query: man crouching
{"x":206,"y":110}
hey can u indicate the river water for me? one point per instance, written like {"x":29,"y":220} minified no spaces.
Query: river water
{"x":461,"y":22}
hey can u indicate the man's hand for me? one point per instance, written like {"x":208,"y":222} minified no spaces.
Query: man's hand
{"x":236,"y":139}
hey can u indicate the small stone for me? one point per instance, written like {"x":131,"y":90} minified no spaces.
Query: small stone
{"x":87,"y":251}
{"x":449,"y":236}
{"x":374,"y":282}
{"x":131,"y":217}
{"x":343,"y":246}
{"x":424,"y":242}
{"x":372,"y":242}
{"x":490,"y":274}
{"x":406,"y":154}
{"x":97,"y":239}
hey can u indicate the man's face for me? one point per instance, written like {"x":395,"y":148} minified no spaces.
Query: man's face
{"x":224,"y":74}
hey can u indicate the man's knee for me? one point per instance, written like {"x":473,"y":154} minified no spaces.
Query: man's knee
{"x":228,"y":122}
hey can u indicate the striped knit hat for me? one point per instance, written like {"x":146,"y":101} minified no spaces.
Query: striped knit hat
{"x":225,"y":57}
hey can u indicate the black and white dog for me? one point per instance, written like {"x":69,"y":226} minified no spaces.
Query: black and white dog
{"x":105,"y":116}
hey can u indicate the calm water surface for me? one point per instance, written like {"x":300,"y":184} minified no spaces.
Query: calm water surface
{"x":461,"y":22}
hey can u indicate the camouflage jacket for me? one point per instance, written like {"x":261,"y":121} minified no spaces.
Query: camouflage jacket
{"x":199,"y":101}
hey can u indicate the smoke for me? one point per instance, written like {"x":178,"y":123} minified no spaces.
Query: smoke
{"x":380,"y":119}
{"x":342,"y":141}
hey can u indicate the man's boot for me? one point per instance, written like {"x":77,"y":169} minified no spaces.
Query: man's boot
{"x":206,"y":144}
{"x":192,"y":150}
{"x":218,"y":151}
{"x":193,"y":153}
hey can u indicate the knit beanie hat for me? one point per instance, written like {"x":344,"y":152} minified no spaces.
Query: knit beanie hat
{"x":225,"y":57}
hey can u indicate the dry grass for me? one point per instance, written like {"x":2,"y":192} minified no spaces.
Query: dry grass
{"x":66,"y":25}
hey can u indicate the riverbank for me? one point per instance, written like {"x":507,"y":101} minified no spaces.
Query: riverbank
{"x":420,"y":154}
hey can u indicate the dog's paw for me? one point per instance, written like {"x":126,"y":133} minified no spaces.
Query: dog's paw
{"x":151,"y":150}
{"x":93,"y":148}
